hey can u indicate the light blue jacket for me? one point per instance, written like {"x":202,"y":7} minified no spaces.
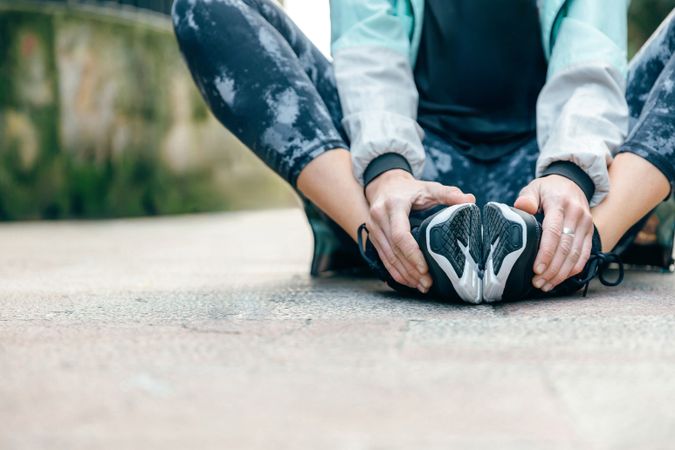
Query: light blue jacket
{"x":582,"y":115}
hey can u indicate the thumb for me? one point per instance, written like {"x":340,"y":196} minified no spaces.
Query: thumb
{"x":528,"y":200}
{"x":450,"y":195}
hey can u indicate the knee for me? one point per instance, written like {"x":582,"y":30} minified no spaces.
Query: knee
{"x":182,"y":14}
{"x":668,"y":27}
{"x":190,"y":16}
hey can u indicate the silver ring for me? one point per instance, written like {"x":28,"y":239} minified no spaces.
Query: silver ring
{"x":568,"y":232}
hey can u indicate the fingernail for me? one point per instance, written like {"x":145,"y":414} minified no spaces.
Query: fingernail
{"x":538,"y":282}
{"x":426,"y":283}
{"x":547,"y":288}
{"x":540,"y":269}
{"x":422,"y":289}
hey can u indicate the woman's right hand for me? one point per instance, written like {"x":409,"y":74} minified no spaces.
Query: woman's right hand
{"x":392,"y":196}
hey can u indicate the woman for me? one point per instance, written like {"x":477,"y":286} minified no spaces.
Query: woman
{"x":451,"y":103}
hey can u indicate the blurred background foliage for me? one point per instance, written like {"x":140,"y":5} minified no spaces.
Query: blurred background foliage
{"x":644,"y":17}
{"x":99,"y":116}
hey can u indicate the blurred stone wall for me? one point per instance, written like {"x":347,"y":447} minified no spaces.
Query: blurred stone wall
{"x":99,"y":117}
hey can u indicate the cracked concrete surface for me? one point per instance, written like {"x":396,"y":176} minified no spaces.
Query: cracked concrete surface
{"x":206,"y":332}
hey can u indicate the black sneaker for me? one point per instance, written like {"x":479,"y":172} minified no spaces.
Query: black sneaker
{"x":450,"y":240}
{"x":510,"y":244}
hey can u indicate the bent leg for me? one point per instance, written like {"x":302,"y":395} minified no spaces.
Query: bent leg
{"x":498,"y":180}
{"x":263,"y":79}
{"x":644,"y":169}
{"x":270,"y":86}
{"x":508,"y":175}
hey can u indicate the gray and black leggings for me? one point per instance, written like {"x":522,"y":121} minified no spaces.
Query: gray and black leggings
{"x":272,"y":88}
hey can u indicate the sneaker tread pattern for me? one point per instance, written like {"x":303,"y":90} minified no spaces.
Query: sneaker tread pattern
{"x":508,"y":233}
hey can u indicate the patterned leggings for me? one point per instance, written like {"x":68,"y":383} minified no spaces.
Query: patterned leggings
{"x":272,"y":88}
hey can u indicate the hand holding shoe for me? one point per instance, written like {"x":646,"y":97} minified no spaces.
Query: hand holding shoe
{"x":567,"y":229}
{"x":392,"y":196}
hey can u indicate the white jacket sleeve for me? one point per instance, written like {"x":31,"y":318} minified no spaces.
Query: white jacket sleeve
{"x":582,"y":113}
{"x":582,"y":117}
{"x":379,"y":102}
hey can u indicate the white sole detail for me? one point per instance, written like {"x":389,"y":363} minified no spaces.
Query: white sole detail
{"x":494,"y":283}
{"x":469,"y":286}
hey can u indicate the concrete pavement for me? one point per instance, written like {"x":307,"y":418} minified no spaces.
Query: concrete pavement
{"x":206,"y":332}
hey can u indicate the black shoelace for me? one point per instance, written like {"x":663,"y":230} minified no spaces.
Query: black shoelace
{"x":598,"y":263}
{"x":362,"y":248}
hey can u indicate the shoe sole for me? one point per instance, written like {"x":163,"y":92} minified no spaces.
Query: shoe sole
{"x":452,"y":243}
{"x":510,"y":244}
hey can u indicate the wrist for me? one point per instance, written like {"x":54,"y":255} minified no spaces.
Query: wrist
{"x":568,"y":188}
{"x":573,"y":173}
{"x":384,"y":163}
{"x":394,"y":174}
{"x":383,"y":180}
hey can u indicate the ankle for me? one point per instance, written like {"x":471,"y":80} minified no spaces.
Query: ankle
{"x":609,"y":235}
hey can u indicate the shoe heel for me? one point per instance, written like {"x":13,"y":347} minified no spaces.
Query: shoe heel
{"x":452,"y":241}
{"x":508,"y":243}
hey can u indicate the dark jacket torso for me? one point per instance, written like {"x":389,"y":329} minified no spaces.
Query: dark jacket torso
{"x":479,"y":71}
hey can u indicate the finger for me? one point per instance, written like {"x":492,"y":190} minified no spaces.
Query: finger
{"x":390,"y":236}
{"x":406,"y":248}
{"x":395,"y":274}
{"x":552,"y":229}
{"x":387,"y":255}
{"x":573,"y":257}
{"x":404,"y":243}
{"x":392,"y":263}
{"x":585,"y":254}
{"x":449,"y":195}
{"x":423,"y":280}
{"x":564,"y":249}
{"x":528,"y":200}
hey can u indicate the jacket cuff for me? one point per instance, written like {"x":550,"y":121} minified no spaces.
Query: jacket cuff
{"x":572,"y":172}
{"x":385,"y":163}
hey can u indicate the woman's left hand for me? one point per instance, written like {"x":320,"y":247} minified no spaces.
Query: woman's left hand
{"x":567,"y":229}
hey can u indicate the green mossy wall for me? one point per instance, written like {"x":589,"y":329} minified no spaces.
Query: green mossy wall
{"x":99,"y":118}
